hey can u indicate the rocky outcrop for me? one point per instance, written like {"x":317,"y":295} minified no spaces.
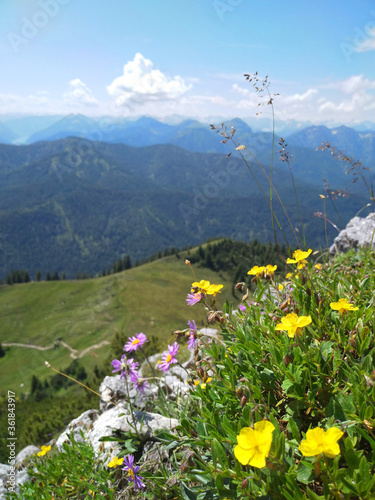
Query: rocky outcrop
{"x":116,"y":416}
{"x":358,"y":233}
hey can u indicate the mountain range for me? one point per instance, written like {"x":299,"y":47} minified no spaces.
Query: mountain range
{"x":186,"y":133}
{"x":77,"y":205}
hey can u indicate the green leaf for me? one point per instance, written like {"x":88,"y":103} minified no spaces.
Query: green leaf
{"x":218,"y":454}
{"x":305,"y":473}
{"x":287,"y":384}
{"x":187,"y":493}
{"x":294,"y":429}
{"x":312,"y":495}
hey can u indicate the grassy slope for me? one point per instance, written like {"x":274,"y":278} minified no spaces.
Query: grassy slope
{"x":149,"y":298}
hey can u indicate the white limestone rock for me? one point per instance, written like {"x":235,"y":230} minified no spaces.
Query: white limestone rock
{"x":358,"y":233}
{"x":84,"y":422}
{"x":26,"y":453}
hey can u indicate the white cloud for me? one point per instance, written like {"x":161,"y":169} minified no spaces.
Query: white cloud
{"x":352,"y":85}
{"x":240,"y":90}
{"x":368,"y":43}
{"x":301,"y":98}
{"x":79,"y":93}
{"x":141,"y":84}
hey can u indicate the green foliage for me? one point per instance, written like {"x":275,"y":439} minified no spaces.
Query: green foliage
{"x":148,"y":298}
{"x":74,"y":473}
{"x":323,"y":377}
{"x":42,"y":418}
{"x":17,"y":276}
{"x":140,"y":200}
{"x":237,"y":258}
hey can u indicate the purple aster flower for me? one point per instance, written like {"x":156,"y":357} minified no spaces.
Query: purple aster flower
{"x":126,"y":366}
{"x":193,"y":298}
{"x":242,"y":307}
{"x":169,"y":357}
{"x":192,"y":338}
{"x":139,"y":385}
{"x":132,"y":472}
{"x":135,"y":342}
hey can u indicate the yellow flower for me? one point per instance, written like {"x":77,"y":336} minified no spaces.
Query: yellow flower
{"x":254,"y":444}
{"x":319,"y":441}
{"x":214,"y":289}
{"x":289,"y":275}
{"x":270,"y":270}
{"x":280,"y":287}
{"x":257,"y":271}
{"x":342,"y":306}
{"x":299,"y":258}
{"x":203,"y":385}
{"x":44,"y":450}
{"x":206,"y":287}
{"x":202,"y":285}
{"x":115,"y":462}
{"x":293,"y":324}
{"x":318,"y":266}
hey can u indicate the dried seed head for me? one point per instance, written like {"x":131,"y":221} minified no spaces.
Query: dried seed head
{"x":240,"y":286}
{"x":187,"y":262}
{"x":284,"y":305}
{"x":288,"y":359}
{"x":205,"y":377}
{"x":178,"y":333}
{"x":200,"y":373}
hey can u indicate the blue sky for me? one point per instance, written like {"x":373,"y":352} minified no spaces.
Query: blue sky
{"x":187,"y":57}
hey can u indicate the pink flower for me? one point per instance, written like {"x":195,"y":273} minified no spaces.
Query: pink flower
{"x":168,"y":357}
{"x":140,"y":385}
{"x":192,"y":338}
{"x":193,"y":298}
{"x":132,"y":471}
{"x":135,"y":342}
{"x":126,"y":366}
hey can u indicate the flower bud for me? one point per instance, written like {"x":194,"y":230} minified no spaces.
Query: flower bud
{"x":200,"y":373}
{"x":244,"y":484}
{"x":284,"y":305}
{"x":239,"y":392}
{"x":240,"y":286}
{"x":205,"y":377}
{"x":288,"y":359}
{"x":243,"y":401}
{"x":184,"y":467}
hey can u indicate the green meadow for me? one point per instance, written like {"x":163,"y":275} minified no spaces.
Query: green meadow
{"x":85,"y":314}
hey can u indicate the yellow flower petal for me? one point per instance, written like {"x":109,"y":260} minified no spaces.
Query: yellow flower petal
{"x":242,"y":455}
{"x":318,"y":441}
{"x":245,"y":437}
